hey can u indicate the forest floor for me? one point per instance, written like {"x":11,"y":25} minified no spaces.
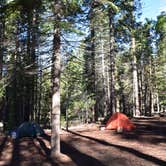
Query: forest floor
{"x":89,"y":146}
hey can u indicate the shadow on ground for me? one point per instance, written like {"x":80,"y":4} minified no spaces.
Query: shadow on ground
{"x":126,"y":149}
{"x":150,"y":131}
{"x":79,"y":158}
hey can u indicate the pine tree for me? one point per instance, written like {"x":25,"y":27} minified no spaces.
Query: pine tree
{"x":160,"y":78}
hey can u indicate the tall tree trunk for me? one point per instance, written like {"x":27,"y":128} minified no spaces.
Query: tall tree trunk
{"x":56,"y":70}
{"x":108,"y":87}
{"x":2,"y":32}
{"x":35,"y":38}
{"x":151,"y":100}
{"x":112,"y":61}
{"x":157,"y":103}
{"x":28,"y":77}
{"x":92,"y":73}
{"x":135,"y":80}
{"x":141,"y":87}
{"x":103,"y":78}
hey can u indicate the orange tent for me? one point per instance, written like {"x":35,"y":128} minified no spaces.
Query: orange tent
{"x":119,"y":120}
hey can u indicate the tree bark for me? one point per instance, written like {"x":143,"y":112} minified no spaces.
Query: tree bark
{"x":103,"y":77}
{"x":2,"y":28}
{"x":112,"y":61}
{"x":56,"y":70}
{"x":136,"y":108}
{"x":92,"y":58}
{"x":151,"y":100}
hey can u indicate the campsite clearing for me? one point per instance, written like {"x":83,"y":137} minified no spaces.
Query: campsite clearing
{"x":89,"y":146}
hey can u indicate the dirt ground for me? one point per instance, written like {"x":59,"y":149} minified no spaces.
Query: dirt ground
{"x":90,"y":146}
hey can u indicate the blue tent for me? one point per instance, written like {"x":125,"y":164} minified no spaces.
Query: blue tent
{"x":29,"y":129}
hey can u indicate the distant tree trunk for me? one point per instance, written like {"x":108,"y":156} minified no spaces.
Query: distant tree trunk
{"x":108,"y":86}
{"x":35,"y":38}
{"x":112,"y":61}
{"x":157,"y":103}
{"x":16,"y":87}
{"x":117,"y":105}
{"x":28,"y":81}
{"x":151,"y":100}
{"x":56,"y":70}
{"x":141,"y":87}
{"x":31,"y":76}
{"x":122,"y":100}
{"x":123,"y":103}
{"x":135,"y":80}
{"x":66,"y":108}
{"x":1,"y":58}
{"x":103,"y":78}
{"x":151,"y":103}
{"x":92,"y":73}
{"x":12,"y":95}
{"x":2,"y":33}
{"x":39,"y":89}
{"x":145,"y":100}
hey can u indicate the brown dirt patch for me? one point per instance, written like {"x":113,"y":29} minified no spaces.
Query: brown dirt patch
{"x":89,"y":146}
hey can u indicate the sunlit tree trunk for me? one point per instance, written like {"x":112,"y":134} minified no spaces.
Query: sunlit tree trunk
{"x":56,"y":70}
{"x":135,"y":79}
{"x":108,"y":87}
{"x":103,"y":78}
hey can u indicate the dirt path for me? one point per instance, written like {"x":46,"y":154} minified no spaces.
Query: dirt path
{"x":89,"y":146}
